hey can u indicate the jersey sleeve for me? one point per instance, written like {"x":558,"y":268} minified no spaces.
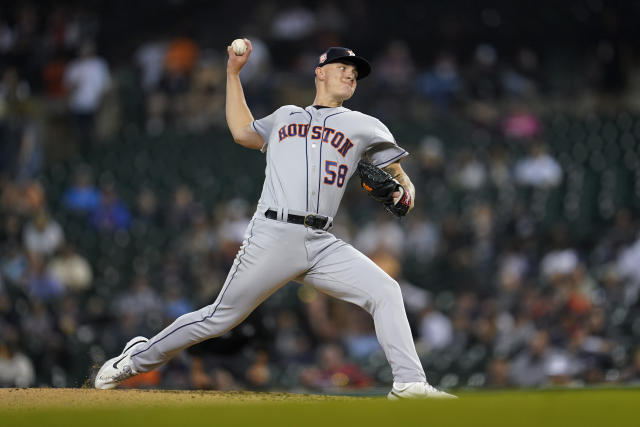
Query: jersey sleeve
{"x":383,"y":149}
{"x":263,"y":127}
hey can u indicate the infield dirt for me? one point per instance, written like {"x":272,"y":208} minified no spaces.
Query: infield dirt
{"x":34,"y":398}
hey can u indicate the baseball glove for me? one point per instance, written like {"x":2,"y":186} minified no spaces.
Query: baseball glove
{"x":381,"y":185}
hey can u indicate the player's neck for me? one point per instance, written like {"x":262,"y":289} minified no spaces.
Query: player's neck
{"x":327,"y":101}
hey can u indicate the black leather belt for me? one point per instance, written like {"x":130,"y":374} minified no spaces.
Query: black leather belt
{"x":312,"y":221}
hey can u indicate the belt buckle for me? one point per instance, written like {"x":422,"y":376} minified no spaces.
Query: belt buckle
{"x":315,"y":221}
{"x":309,"y":221}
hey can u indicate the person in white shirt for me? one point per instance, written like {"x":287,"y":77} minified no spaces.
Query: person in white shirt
{"x":86,"y":79}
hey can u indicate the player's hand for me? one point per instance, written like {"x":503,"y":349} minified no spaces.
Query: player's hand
{"x":236,"y":62}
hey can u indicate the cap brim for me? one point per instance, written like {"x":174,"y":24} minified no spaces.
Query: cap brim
{"x":362,"y":65}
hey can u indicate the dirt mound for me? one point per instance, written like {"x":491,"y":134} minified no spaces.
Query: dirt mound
{"x":75,"y":397}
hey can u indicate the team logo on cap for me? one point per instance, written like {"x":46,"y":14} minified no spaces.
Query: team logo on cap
{"x":323,"y":57}
{"x":350,"y":52}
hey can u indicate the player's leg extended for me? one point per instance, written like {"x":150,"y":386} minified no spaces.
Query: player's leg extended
{"x":267,"y":260}
{"x":343,"y":272}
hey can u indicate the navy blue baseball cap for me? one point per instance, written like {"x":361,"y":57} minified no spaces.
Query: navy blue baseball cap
{"x":339,"y":54}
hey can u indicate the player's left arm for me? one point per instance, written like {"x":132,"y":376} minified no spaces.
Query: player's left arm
{"x":396,"y":171}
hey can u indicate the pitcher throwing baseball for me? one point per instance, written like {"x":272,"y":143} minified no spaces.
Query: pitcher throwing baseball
{"x":311,"y":152}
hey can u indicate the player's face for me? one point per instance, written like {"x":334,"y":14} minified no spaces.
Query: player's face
{"x":341,"y":79}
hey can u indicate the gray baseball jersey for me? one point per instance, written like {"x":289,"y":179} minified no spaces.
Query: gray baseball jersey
{"x":311,"y":154}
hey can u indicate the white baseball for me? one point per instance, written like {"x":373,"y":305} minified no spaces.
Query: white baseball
{"x":239,"y":47}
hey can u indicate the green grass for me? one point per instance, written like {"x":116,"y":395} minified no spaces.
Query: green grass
{"x":600,"y":407}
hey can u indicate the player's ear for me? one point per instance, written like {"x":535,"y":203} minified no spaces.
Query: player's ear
{"x":320,"y":74}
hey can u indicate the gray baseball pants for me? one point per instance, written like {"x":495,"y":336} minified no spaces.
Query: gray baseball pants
{"x":274,"y":253}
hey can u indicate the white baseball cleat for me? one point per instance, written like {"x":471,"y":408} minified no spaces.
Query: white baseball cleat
{"x":420,"y":390}
{"x":118,"y":369}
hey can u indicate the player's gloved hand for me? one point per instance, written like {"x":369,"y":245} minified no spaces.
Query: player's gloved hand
{"x":383,"y":187}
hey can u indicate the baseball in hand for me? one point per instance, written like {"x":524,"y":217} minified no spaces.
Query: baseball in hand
{"x":239,"y":47}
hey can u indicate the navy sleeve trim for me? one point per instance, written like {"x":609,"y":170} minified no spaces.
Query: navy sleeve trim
{"x":386,"y":163}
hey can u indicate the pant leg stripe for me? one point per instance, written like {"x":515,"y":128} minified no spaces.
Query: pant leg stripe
{"x":244,"y":250}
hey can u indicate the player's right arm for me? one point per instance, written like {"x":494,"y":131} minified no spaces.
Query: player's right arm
{"x":239,"y":117}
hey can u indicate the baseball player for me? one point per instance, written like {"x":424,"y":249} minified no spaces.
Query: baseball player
{"x":311,"y":153}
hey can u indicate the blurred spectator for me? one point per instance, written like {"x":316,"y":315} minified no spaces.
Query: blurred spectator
{"x":423,"y":236}
{"x":157,"y":112}
{"x":521,"y":123}
{"x":395,"y":69}
{"x":7,"y":36}
{"x":260,"y":373}
{"x":322,"y":324}
{"x":468,"y":173}
{"x":11,"y":232}
{"x":147,"y":212}
{"x":200,"y":379}
{"x":432,"y":157}
{"x":622,"y":233}
{"x":14,"y":265}
{"x":334,"y":371}
{"x":140,"y":301}
{"x":87,"y":79}
{"x":416,"y":299}
{"x":436,"y":330}
{"x":41,"y":285}
{"x":293,"y":23}
{"x":538,"y":169}
{"x":628,"y":266}
{"x":37,"y":326}
{"x":610,"y":73}
{"x":256,"y":71}
{"x":24,"y":199}
{"x":14,"y":91}
{"x":205,"y":99}
{"x":484,"y":76}
{"x":71,"y":269}
{"x":498,"y":373}
{"x":53,"y":76}
{"x":381,"y":235}
{"x":532,"y":366}
{"x":513,"y":336}
{"x":183,"y":208}
{"x":111,"y":214}
{"x":359,"y":335}
{"x":82,"y":196}
{"x":42,"y":234}
{"x":483,"y":232}
{"x":16,"y":369}
{"x":632,"y":374}
{"x":200,"y":240}
{"x":180,"y":59}
{"x":500,"y":169}
{"x":233,"y":218}
{"x":441,"y":84}
{"x":30,"y":155}
{"x":292,"y":345}
{"x":150,"y":58}
{"x":331,"y":18}
{"x":521,"y":79}
{"x":68,"y":316}
{"x":175,"y":304}
{"x":559,"y":263}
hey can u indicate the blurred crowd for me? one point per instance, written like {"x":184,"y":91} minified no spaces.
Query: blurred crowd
{"x":519,"y":265}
